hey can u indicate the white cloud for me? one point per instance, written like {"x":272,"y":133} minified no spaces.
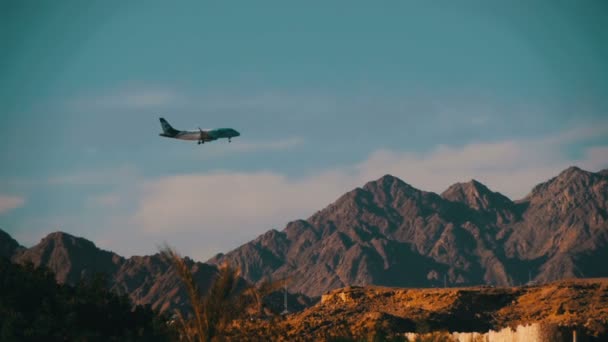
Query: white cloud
{"x":148,"y":98}
{"x":8,"y":203}
{"x":282,"y":144}
{"x":231,"y":201}
{"x":222,"y":204}
{"x":505,"y":167}
{"x":135,"y":96}
{"x":105,"y":200}
{"x":266,"y":101}
{"x":510,"y":167}
{"x":215,"y":150}
{"x":131,"y":97}
{"x":597,"y":129}
{"x":106,"y":176}
{"x":596,"y":158}
{"x":205,"y":213}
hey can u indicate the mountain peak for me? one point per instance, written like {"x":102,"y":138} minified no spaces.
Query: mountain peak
{"x":5,"y":236}
{"x":572,"y":179}
{"x":65,"y":239}
{"x":389,"y":178}
{"x":388,"y":183}
{"x":475,"y":195}
{"x":8,"y":245}
{"x":572,"y":171}
{"x":476,"y":187}
{"x":476,"y":183}
{"x":386,"y":180}
{"x":57,"y":235}
{"x":71,"y":258}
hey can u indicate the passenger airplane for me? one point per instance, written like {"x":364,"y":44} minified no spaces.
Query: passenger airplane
{"x":201,"y":136}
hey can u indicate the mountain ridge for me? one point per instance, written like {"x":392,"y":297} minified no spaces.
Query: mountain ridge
{"x":385,"y":233}
{"x":467,"y":235}
{"x":8,"y":245}
{"x":146,"y":280}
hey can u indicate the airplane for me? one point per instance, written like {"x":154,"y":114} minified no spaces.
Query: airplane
{"x":201,"y":136}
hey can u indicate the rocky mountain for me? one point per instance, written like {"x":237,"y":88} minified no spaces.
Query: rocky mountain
{"x":151,"y":280}
{"x":8,"y":245}
{"x":147,"y":280}
{"x":390,"y":233}
{"x":495,"y":206}
{"x":564,"y":227}
{"x":384,"y":233}
{"x":70,"y":258}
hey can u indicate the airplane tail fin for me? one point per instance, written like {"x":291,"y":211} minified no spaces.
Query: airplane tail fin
{"x":167,"y":129}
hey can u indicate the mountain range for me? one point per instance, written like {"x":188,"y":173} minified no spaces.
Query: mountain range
{"x":390,"y":233}
{"x":147,"y":280}
{"x":384,"y":233}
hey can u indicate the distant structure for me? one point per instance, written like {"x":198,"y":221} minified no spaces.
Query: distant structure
{"x":530,"y":281}
{"x":285,"y":311}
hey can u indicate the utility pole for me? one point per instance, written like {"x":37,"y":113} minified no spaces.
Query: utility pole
{"x":285,"y":311}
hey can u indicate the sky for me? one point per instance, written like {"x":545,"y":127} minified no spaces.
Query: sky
{"x":326,"y":95}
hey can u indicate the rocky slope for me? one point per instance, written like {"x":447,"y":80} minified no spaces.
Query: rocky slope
{"x":147,"y":280}
{"x":390,"y":233}
{"x":70,"y":258}
{"x":8,"y":245}
{"x":564,"y":227}
{"x":385,"y":233}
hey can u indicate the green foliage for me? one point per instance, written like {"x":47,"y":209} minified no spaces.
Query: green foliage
{"x":33,"y":307}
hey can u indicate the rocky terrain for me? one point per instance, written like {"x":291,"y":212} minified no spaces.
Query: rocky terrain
{"x":386,"y":233}
{"x":8,"y":245}
{"x":147,"y":280}
{"x":361,"y":312}
{"x":390,"y":233}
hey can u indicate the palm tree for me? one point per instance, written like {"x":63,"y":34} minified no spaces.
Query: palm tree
{"x":227,"y":299}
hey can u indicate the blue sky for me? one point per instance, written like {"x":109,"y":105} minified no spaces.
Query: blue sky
{"x":326,"y":97}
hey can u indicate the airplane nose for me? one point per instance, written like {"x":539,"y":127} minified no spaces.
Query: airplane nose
{"x":237,"y":133}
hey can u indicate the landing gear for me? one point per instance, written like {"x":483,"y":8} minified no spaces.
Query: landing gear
{"x":228,"y":139}
{"x":201,"y":140}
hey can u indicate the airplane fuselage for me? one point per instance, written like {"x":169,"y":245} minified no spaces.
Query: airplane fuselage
{"x":201,"y":136}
